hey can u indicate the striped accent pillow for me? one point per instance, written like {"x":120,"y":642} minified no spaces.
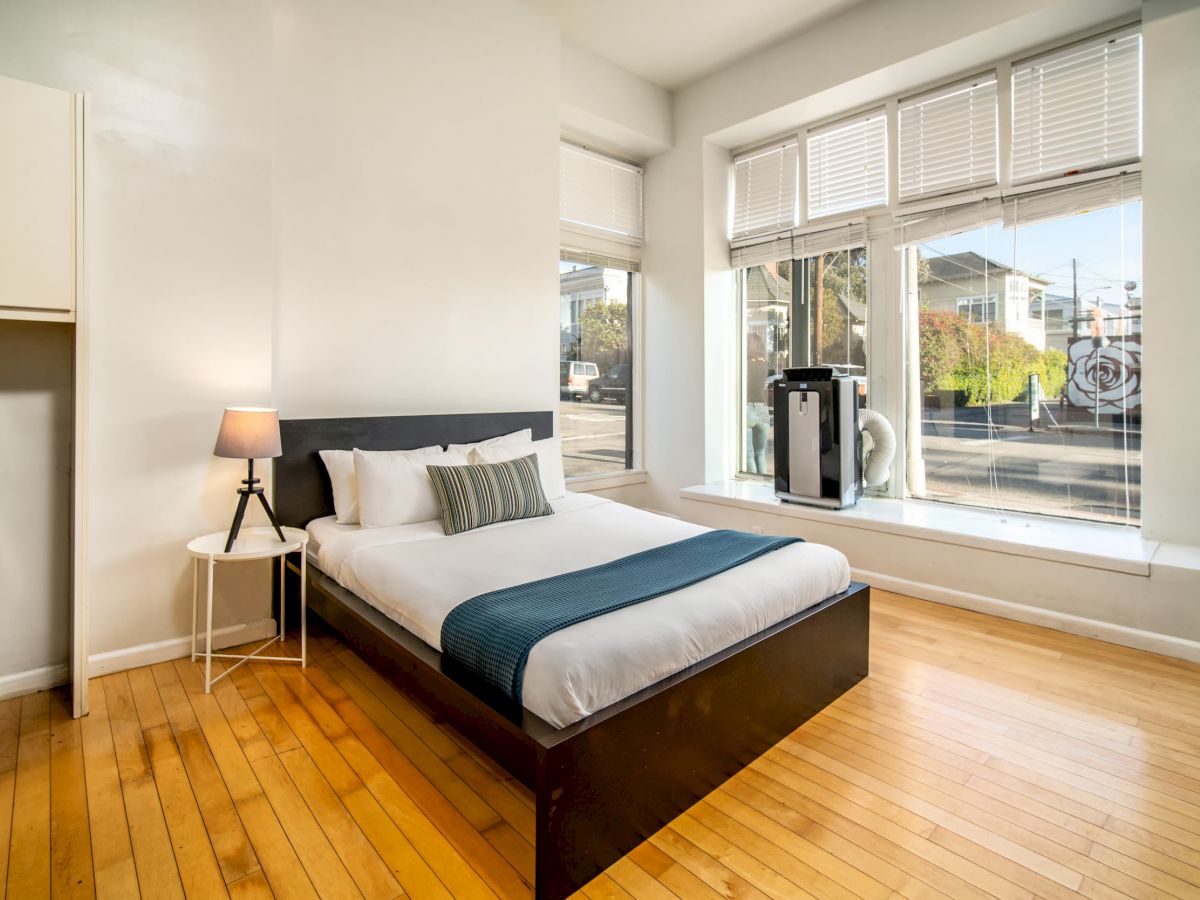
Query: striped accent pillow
{"x":474,"y":496}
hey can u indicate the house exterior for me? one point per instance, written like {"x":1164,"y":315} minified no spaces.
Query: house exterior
{"x":983,"y":290}
{"x":1119,"y":319}
{"x":577,"y":290}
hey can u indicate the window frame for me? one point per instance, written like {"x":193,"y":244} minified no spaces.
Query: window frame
{"x":634,"y":472}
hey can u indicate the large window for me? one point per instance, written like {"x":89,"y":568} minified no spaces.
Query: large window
{"x":1028,"y":364}
{"x":796,"y":313}
{"x":596,"y":367}
{"x":1005,"y":261}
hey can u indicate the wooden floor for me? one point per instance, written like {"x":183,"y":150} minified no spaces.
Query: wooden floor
{"x":981,"y":758}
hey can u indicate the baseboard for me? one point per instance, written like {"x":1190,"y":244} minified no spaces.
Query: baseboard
{"x":27,"y":682}
{"x":1166,"y":644}
{"x":174,"y":648}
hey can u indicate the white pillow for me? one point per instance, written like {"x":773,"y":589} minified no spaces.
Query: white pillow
{"x":394,"y":488}
{"x":524,"y":436}
{"x":549,"y":458}
{"x":340,"y":466}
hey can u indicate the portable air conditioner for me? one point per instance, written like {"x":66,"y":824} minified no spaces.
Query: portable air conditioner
{"x":818,"y":441}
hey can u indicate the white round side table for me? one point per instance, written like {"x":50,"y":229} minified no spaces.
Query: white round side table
{"x":252,"y":543}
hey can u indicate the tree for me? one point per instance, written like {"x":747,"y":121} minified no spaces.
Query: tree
{"x":604,"y":329}
{"x":843,"y":282}
{"x":983,"y":365}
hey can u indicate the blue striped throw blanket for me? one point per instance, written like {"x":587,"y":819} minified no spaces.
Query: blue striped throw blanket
{"x":491,"y":635}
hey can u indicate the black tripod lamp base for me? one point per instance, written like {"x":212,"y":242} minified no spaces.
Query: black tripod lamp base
{"x":251,"y":489}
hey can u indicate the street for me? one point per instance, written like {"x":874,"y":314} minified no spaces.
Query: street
{"x":593,"y":437}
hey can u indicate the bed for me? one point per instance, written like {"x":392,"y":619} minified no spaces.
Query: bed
{"x":627,"y":719}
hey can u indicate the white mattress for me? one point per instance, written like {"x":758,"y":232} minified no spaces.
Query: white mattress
{"x":415,"y":574}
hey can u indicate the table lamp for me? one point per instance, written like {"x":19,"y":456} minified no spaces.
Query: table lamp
{"x":249,"y":433}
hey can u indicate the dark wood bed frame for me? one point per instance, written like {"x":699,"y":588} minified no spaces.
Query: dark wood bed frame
{"x":607,"y":782}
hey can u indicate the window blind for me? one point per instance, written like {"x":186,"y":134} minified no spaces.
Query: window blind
{"x":591,"y":258}
{"x":765,"y":189}
{"x":847,"y":165}
{"x":936,"y":223}
{"x":1059,"y":203}
{"x":599,"y":195}
{"x":1078,"y":108}
{"x":948,"y":139}
{"x":777,"y":248}
{"x":815,"y":243}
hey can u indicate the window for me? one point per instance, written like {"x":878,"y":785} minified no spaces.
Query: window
{"x":847,"y":165}
{"x":800,"y":312}
{"x":1023,"y":408}
{"x":1078,"y":108}
{"x":596,"y":388}
{"x":1021,"y":298}
{"x":948,"y":139}
{"x":977,"y":309}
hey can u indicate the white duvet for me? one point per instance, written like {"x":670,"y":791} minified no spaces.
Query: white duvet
{"x":415,"y":575}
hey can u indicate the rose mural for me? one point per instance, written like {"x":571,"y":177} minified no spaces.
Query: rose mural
{"x":1110,"y":376}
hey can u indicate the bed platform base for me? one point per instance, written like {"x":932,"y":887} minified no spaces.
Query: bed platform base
{"x":607,"y":782}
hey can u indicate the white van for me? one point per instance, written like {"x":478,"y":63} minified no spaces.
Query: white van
{"x":573,"y":378}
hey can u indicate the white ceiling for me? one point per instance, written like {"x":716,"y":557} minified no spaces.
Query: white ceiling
{"x":674,"y":42}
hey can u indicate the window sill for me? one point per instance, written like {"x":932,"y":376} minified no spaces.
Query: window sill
{"x":583,"y":484}
{"x":1114,"y":548}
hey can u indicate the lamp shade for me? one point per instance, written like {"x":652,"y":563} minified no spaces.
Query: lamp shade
{"x":249,"y":433}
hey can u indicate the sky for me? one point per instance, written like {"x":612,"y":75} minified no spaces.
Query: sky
{"x":1107,"y":243}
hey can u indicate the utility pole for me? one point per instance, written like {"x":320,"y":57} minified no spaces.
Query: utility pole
{"x":819,"y":325}
{"x":1075,"y":295}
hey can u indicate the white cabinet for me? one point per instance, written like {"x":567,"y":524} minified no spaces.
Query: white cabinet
{"x":39,"y":193}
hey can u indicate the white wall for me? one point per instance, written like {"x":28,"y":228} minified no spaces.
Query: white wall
{"x":338,"y":208}
{"x":610,"y":108}
{"x":178,"y":280}
{"x":1171,"y":196}
{"x":35,"y":495}
{"x":1154,"y":611}
{"x":416,"y":173}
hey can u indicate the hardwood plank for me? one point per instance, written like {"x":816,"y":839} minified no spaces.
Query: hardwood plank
{"x":10,"y":733}
{"x":406,"y":865}
{"x":461,"y":830}
{"x":29,"y":845}
{"x":158,"y":874}
{"x":325,"y":870}
{"x":112,"y":852}
{"x":251,"y":887}
{"x":410,"y":797}
{"x":71,"y":871}
{"x":230,"y":844}
{"x":353,"y":847}
{"x":282,"y":868}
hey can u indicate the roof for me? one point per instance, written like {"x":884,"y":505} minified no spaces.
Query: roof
{"x":960,"y":266}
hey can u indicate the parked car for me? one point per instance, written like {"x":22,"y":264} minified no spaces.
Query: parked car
{"x":613,"y":385}
{"x":573,"y":378}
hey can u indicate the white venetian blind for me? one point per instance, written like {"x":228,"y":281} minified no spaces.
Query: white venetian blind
{"x":847,"y":165}
{"x":765,"y":189}
{"x":599,"y":194}
{"x":1078,"y":108}
{"x":948,"y":139}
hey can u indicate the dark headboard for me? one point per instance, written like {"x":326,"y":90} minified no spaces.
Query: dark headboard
{"x":302,"y":491}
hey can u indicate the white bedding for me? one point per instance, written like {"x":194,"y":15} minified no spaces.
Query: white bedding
{"x":415,"y":574}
